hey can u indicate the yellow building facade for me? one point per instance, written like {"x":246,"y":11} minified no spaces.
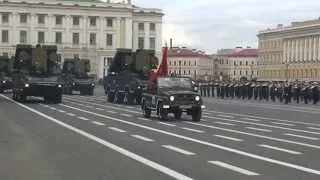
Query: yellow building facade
{"x":291,"y":52}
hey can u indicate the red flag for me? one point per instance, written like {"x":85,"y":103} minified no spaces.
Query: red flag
{"x":162,"y":70}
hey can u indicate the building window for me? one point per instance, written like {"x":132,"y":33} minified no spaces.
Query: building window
{"x":234,"y":63}
{"x":23,"y":18}
{"x":246,"y":73}
{"x":109,"y":40}
{"x":93,"y":21}
{"x":141,"y":43}
{"x":184,"y":72}
{"x":234,"y":73}
{"x":109,"y":22}
{"x":170,"y":63}
{"x":189,"y":63}
{"x":185,"y":63}
{"x":92,"y":38}
{"x":189,"y":72}
{"x":75,"y":38}
{"x":141,"y":26}
{"x":246,"y":63}
{"x":252,"y":73}
{"x":41,"y":18}
{"x":152,"y":43}
{"x":41,"y":37}
{"x":76,"y":20}
{"x":5,"y":18}
{"x":240,"y":72}
{"x":58,"y":37}
{"x":152,"y":26}
{"x":58,"y":20}
{"x":5,"y":36}
{"x":195,"y":63}
{"x":175,"y":63}
{"x":23,"y":37}
{"x":240,"y":63}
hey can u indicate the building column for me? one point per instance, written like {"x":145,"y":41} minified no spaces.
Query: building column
{"x":100,"y":37}
{"x":315,"y":53}
{"x":284,"y":59}
{"x":118,"y":32}
{"x":50,"y":36}
{"x":128,"y":33}
{"x":301,"y":48}
{"x":293,"y":48}
{"x":318,"y":58}
{"x":305,"y":52}
{"x":310,"y":49}
{"x":135,"y":36}
{"x":297,"y":42}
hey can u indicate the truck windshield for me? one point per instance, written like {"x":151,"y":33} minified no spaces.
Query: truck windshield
{"x":175,"y":83}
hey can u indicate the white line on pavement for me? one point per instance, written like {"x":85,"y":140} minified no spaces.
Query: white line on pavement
{"x":206,"y":113}
{"x":313,"y":128}
{"x":53,"y":108}
{"x":89,"y":107}
{"x":279,"y":149}
{"x":126,"y":115}
{"x":285,"y":124}
{"x":83,"y":118}
{"x":99,"y":109}
{"x":119,"y":149}
{"x":98,"y":123}
{"x":179,"y":150}
{"x":143,"y":119}
{"x":205,"y":116}
{"x":250,"y":119}
{"x":142,"y":138}
{"x":304,"y":137}
{"x":229,"y":138}
{"x":62,"y":111}
{"x":193,"y":130}
{"x":71,"y":114}
{"x":167,"y":124}
{"x":112,"y":112}
{"x":259,"y":129}
{"x":232,"y":150}
{"x":116,"y":129}
{"x":234,"y":168}
{"x":225,"y":116}
{"x":257,"y":135}
{"x":228,"y":124}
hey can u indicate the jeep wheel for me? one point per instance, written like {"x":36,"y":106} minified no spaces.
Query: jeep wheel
{"x":163,"y":113}
{"x":178,"y":114}
{"x":1,"y":90}
{"x":196,"y":114}
{"x":110,"y":97}
{"x":146,"y":112}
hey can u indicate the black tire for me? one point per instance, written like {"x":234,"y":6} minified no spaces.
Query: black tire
{"x":115,"y":98}
{"x":178,"y":114}
{"x":146,"y":112}
{"x":110,"y":97}
{"x":196,"y":114}
{"x":90,"y":92}
{"x":58,"y":99}
{"x":1,"y":90}
{"x":14,"y":95}
{"x":162,"y":113}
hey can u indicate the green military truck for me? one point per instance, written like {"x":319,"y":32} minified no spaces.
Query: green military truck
{"x":75,"y":77}
{"x":5,"y":73}
{"x":35,"y":73}
{"x":172,"y":95}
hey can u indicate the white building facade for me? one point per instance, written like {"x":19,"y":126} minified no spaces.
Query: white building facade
{"x":89,"y":29}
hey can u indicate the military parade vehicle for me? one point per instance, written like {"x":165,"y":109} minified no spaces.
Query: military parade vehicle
{"x":5,"y":73}
{"x":172,"y":95}
{"x":75,"y":76}
{"x":35,"y":73}
{"x":128,"y":75}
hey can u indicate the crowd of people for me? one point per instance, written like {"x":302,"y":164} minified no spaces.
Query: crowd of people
{"x":284,"y":92}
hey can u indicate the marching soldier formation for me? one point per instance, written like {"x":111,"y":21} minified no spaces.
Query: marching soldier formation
{"x":283,"y":92}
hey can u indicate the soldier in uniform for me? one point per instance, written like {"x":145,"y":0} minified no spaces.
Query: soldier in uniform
{"x":315,"y":93}
{"x":286,"y":93}
{"x":305,"y":93}
{"x":273,"y":92}
{"x":222,"y":90}
{"x":213,"y":86}
{"x":296,"y":92}
{"x":218,"y":89}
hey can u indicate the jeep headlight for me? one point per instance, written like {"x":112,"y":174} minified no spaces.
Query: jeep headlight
{"x":171,"y":98}
{"x":139,"y":87}
{"x":26,"y":85}
{"x":73,"y":84}
{"x":92,"y":84}
{"x":197,"y":98}
{"x":195,"y":88}
{"x":59,"y":86}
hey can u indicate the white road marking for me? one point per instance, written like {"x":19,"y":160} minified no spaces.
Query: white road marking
{"x":266,"y":125}
{"x":225,"y":116}
{"x":279,"y":149}
{"x":259,"y":129}
{"x":130,"y":107}
{"x":179,"y":150}
{"x":44,"y":105}
{"x":193,"y":130}
{"x":105,"y":143}
{"x":62,"y":111}
{"x":205,"y":116}
{"x":232,"y":150}
{"x":285,"y":124}
{"x":53,"y":108}
{"x":99,"y":109}
{"x":83,"y":118}
{"x":98,"y":123}
{"x":126,"y":115}
{"x":234,"y":168}
{"x":167,"y":124}
{"x":144,"y":119}
{"x":229,"y":138}
{"x":112,"y":112}
{"x":228,"y":124}
{"x":313,"y":128}
{"x":71,"y":114}
{"x":89,"y":107}
{"x":304,"y":137}
{"x":117,"y":129}
{"x":250,"y":119}
{"x":206,"y":113}
{"x":257,"y":135}
{"x":142,"y":138}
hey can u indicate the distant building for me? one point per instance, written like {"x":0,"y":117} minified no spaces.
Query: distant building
{"x":191,"y":63}
{"x":291,"y":52}
{"x":88,"y":28}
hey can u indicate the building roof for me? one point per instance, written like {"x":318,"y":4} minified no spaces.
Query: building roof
{"x":185,"y":52}
{"x":245,"y":53}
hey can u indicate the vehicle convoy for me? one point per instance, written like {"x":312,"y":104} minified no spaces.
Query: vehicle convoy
{"x":75,"y":76}
{"x":172,"y":95}
{"x":35,"y":73}
{"x":5,"y":73}
{"x":128,"y":75}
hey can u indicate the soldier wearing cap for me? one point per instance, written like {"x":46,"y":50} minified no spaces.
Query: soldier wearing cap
{"x":305,"y":93}
{"x":315,"y":92}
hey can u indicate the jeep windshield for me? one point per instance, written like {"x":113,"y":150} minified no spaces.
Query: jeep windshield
{"x":175,"y":83}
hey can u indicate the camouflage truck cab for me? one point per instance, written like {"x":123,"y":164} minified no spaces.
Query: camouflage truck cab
{"x":5,"y":73}
{"x":75,"y":76}
{"x":36,"y":71}
{"x":127,"y":75}
{"x":172,"y":95}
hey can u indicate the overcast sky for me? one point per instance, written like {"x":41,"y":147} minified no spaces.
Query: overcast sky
{"x":214,"y":24}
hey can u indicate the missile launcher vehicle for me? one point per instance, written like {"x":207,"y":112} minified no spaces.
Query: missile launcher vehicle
{"x":5,"y":73}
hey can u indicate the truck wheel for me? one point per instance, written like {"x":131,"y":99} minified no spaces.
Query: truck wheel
{"x":110,"y":97}
{"x":115,"y":98}
{"x":90,"y":92}
{"x":163,"y":113}
{"x":196,"y":114}
{"x":58,"y":99}
{"x":178,"y":114}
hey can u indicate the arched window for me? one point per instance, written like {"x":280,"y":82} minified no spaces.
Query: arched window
{"x":246,"y":63}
